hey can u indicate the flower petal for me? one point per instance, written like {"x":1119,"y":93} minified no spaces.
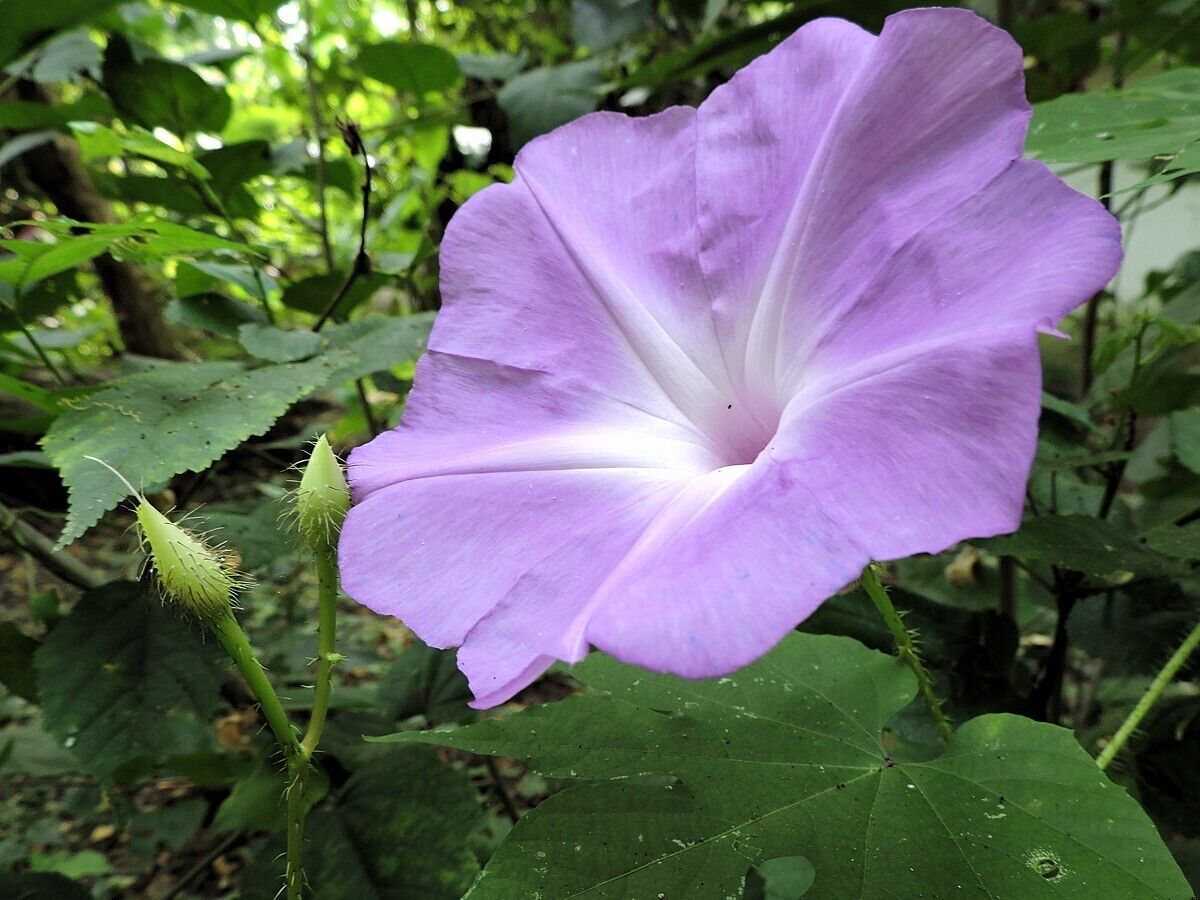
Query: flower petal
{"x":908,"y":459}
{"x":439,"y":552}
{"x":933,"y":111}
{"x":1026,"y":249}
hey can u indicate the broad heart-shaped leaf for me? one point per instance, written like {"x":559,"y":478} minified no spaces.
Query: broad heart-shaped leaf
{"x":123,"y":680}
{"x":1084,"y":544}
{"x":785,"y":758}
{"x":397,"y":830}
{"x":180,"y":417}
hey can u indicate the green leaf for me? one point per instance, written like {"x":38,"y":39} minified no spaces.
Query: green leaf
{"x":1072,"y":412}
{"x":214,"y":312}
{"x":101,"y":142}
{"x":278,"y":344}
{"x":156,"y":92}
{"x":425,"y":681}
{"x":28,"y":23}
{"x":377,"y":343}
{"x":28,"y":114}
{"x":61,"y":58}
{"x":410,"y":67}
{"x":246,"y":10}
{"x":30,"y":393}
{"x":397,"y":830}
{"x":598,"y":24}
{"x":1185,"y":437}
{"x":123,"y":680}
{"x":41,"y":886}
{"x":493,"y":67}
{"x":48,"y":260}
{"x":1083,"y":544}
{"x":258,"y":800}
{"x":314,"y":293}
{"x":16,"y":662}
{"x":1158,"y":117}
{"x":202,"y":277}
{"x":785,"y":878}
{"x":687,"y":785}
{"x":177,"y":418}
{"x":542,"y":99}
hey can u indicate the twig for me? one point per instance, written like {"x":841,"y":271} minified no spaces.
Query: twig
{"x":368,"y":413}
{"x":204,"y":862}
{"x":54,"y":370}
{"x":506,"y":800}
{"x":1116,"y":471}
{"x":42,"y":548}
{"x":362,"y":262}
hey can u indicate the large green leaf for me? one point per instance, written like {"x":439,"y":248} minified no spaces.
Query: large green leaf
{"x":398,"y":829}
{"x":785,"y":758}
{"x":246,"y":10}
{"x":410,"y":67}
{"x":1156,"y":118}
{"x":123,"y":680}
{"x":542,"y":99}
{"x":599,"y":24}
{"x":1084,"y":544}
{"x":176,"y":418}
{"x":16,"y":661}
{"x":41,"y":886}
{"x":28,"y":23}
{"x":156,"y":92}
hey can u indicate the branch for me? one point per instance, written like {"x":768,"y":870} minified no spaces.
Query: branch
{"x":41,"y":547}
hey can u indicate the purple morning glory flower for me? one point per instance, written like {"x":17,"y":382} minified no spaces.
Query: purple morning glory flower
{"x":693,"y":371}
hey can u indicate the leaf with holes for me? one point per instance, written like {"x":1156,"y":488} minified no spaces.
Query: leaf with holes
{"x":688,"y":785}
{"x":123,"y":680}
{"x":177,"y":418}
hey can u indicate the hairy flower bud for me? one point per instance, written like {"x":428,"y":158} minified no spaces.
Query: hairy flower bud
{"x":323,"y":497}
{"x":190,"y":572}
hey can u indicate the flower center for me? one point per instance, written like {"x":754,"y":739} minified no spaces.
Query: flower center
{"x":742,"y":431}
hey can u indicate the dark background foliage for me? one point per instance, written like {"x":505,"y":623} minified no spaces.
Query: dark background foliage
{"x":190,"y":186}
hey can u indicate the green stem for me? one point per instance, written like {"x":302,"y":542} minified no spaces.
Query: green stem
{"x":297,"y":812}
{"x":1165,"y":676}
{"x":905,"y":649}
{"x":327,"y":576}
{"x":234,"y":640}
{"x":299,"y":762}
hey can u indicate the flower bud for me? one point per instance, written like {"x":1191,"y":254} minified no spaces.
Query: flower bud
{"x":190,"y":573}
{"x":323,"y":497}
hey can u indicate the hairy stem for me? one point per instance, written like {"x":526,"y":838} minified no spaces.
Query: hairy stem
{"x":297,"y":812}
{"x":1160,"y":683}
{"x":234,"y":640}
{"x":300,"y":761}
{"x":905,"y":649}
